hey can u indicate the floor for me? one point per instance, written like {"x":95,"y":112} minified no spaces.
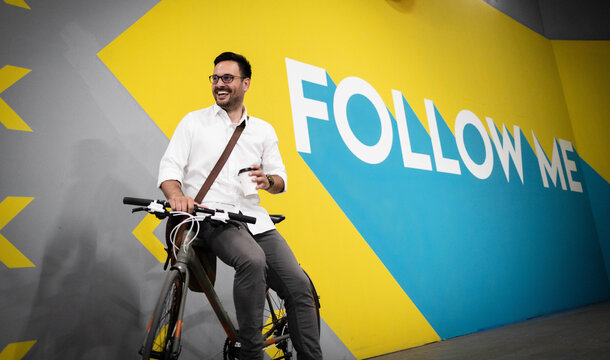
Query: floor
{"x":582,"y":333}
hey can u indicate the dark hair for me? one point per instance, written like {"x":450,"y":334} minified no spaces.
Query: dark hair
{"x":244,"y":65}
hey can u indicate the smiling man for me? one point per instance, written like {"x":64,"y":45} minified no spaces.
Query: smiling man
{"x":259,"y":254}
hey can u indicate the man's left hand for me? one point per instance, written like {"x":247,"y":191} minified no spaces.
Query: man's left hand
{"x":258,"y":176}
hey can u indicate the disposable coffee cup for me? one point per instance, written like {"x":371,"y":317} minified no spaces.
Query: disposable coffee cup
{"x":247,"y":185}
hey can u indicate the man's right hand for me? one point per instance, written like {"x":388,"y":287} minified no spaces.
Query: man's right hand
{"x":172,"y":189}
{"x":182,"y":203}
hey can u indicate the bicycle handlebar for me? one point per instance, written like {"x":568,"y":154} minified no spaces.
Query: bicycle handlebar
{"x":140,"y":202}
{"x":146,"y":202}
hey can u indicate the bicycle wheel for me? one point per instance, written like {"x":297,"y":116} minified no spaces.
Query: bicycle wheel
{"x":164,"y":327}
{"x":275,"y":326}
{"x":275,"y":329}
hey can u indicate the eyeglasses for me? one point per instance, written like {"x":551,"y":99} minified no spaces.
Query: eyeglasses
{"x":226,"y":78}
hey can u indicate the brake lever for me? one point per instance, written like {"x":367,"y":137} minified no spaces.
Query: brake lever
{"x":162,"y":216}
{"x":154,"y":208}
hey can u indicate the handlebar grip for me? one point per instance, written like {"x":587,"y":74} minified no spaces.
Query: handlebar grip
{"x":204,"y":210}
{"x":136,"y":201}
{"x":243,"y":218}
{"x":142,"y":202}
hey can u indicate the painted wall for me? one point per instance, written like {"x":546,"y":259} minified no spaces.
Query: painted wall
{"x":585,"y":75}
{"x":447,"y":165}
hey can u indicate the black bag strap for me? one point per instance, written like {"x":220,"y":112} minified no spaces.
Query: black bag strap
{"x":220,"y":163}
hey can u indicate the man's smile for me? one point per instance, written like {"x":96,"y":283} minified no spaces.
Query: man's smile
{"x":222,"y":93}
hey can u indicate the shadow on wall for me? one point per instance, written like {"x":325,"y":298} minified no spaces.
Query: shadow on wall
{"x":85,"y":305}
{"x":401,"y":5}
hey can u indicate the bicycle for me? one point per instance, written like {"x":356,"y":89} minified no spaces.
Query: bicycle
{"x":163,"y":335}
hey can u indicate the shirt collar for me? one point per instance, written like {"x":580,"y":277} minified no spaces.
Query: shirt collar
{"x":220,"y":112}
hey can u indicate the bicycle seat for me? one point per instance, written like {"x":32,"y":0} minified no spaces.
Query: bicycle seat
{"x":276,"y":218}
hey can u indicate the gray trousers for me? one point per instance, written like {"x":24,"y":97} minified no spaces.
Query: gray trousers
{"x":259,"y":260}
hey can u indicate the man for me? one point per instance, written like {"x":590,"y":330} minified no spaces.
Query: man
{"x":258,"y":252}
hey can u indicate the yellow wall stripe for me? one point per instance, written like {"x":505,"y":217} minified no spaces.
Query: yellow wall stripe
{"x":20,"y":3}
{"x":582,"y":65}
{"x":16,"y":351}
{"x":10,"y":74}
{"x":144,"y":233}
{"x":9,"y":255}
{"x":8,"y":117}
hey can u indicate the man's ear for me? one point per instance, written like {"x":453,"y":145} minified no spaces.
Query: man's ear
{"x":246,"y":84}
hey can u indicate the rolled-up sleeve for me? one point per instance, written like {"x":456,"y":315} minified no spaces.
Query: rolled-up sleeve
{"x":176,"y":155}
{"x":272,"y":160}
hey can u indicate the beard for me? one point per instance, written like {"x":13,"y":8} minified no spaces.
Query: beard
{"x":230,"y":101}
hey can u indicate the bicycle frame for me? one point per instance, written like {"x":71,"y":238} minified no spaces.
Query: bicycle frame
{"x":188,"y":263}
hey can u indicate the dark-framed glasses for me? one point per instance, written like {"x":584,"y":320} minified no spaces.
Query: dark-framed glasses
{"x":226,"y":78}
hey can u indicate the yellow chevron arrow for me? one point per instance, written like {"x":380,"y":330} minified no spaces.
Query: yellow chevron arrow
{"x":9,"y":255}
{"x":16,"y":351}
{"x":144,"y":233}
{"x":20,"y":3}
{"x":8,"y":76}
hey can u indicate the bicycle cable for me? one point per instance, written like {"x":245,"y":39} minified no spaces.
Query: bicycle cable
{"x":192,"y":234}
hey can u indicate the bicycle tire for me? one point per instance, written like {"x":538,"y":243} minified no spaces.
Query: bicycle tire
{"x":164,"y":329}
{"x":282,"y":349}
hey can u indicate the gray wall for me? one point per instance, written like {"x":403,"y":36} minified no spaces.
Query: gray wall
{"x":93,"y":285}
{"x":560,"y":19}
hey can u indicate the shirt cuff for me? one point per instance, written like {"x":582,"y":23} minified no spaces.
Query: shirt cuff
{"x":165,"y":175}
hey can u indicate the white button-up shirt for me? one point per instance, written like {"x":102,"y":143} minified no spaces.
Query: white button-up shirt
{"x":196,"y":146}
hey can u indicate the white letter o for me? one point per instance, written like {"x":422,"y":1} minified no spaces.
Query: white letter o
{"x":345,"y":90}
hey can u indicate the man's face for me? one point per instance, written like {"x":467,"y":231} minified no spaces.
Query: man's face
{"x":229,"y":96}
